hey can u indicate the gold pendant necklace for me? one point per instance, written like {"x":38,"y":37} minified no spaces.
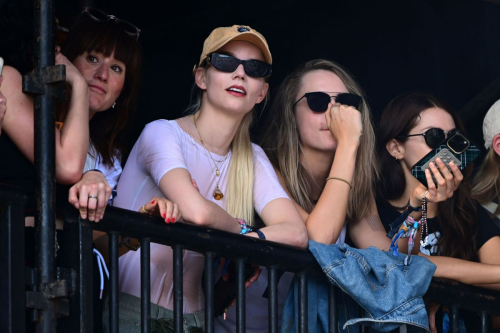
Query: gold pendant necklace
{"x":217,"y":194}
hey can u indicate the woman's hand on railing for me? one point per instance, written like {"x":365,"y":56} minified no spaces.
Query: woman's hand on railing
{"x":90,"y":195}
{"x":168,"y":210}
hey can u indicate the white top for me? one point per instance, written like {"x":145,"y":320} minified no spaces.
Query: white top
{"x":162,"y":147}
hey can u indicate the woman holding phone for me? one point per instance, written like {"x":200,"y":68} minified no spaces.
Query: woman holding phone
{"x":457,"y":226}
{"x":233,"y":176}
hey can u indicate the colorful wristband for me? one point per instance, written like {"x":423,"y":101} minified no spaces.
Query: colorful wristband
{"x":244,"y":227}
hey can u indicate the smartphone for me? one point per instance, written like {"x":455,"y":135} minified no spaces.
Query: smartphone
{"x":349,"y":99}
{"x":1,"y":65}
{"x":457,"y":148}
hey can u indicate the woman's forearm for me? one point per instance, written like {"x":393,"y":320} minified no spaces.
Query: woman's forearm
{"x":464,"y":271}
{"x":72,"y":142}
{"x":325,"y":222}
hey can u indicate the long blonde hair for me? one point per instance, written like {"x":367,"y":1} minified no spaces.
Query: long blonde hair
{"x":239,"y":191}
{"x":281,"y":142}
{"x":486,"y":183}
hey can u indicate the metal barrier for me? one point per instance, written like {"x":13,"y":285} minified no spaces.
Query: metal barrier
{"x":75,"y":275}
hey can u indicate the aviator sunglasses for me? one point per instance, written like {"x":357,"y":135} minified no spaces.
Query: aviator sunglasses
{"x":433,"y":136}
{"x":228,"y":64}
{"x":318,"y":100}
{"x":101,"y":16}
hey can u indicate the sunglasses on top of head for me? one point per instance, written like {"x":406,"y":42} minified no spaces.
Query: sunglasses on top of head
{"x":101,"y":16}
{"x":227,"y":63}
{"x":433,"y":136}
{"x":318,"y":100}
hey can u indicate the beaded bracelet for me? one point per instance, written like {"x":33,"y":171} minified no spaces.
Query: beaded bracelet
{"x":244,"y":227}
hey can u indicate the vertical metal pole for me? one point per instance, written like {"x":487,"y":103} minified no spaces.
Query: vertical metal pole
{"x":12,"y":293}
{"x":484,"y":322}
{"x":273,"y":299}
{"x":113,"y":282}
{"x":209,"y":292}
{"x":178,"y":289}
{"x":454,"y":318}
{"x":76,"y":254}
{"x":44,"y":128}
{"x":145,"y":286}
{"x":332,"y":321}
{"x":302,"y":303}
{"x":240,"y":295}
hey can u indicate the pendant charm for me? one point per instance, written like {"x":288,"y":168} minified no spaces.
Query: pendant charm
{"x":218,"y":195}
{"x":217,"y":173}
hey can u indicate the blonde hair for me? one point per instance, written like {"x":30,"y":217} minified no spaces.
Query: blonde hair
{"x":282,"y":144}
{"x":487,"y":180}
{"x":239,"y":191}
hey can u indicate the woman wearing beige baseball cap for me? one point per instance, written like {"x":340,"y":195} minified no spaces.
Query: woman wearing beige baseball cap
{"x":206,"y":164}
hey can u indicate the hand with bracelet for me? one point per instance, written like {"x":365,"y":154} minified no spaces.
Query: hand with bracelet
{"x":91,"y":195}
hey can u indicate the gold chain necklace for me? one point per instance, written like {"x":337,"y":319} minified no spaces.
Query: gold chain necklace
{"x":218,"y":195}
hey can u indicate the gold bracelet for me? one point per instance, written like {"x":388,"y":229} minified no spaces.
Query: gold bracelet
{"x":341,"y":179}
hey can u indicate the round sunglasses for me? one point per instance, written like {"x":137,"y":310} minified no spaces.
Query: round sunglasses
{"x":227,"y":63}
{"x":101,"y":16}
{"x":433,"y":136}
{"x":318,"y":100}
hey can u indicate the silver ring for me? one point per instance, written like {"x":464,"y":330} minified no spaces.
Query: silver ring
{"x":92,"y":196}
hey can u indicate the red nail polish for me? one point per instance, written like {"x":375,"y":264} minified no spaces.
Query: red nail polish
{"x":173,"y":219}
{"x":168,"y":220}
{"x":153,"y":202}
{"x":163,"y":215}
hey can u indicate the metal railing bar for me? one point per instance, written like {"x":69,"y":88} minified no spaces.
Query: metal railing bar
{"x":240,"y":295}
{"x":145,"y":286}
{"x":12,"y":259}
{"x":454,"y":318}
{"x":178,"y":288}
{"x":484,"y":322}
{"x":200,"y":239}
{"x":273,"y":299}
{"x":332,"y":321}
{"x":302,"y":303}
{"x":113,"y":279}
{"x":209,"y":292}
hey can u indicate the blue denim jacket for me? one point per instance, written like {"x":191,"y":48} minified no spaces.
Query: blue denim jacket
{"x":390,"y":292}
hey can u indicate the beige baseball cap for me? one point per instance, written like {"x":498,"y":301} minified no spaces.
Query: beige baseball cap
{"x":223,"y":35}
{"x":491,"y":124}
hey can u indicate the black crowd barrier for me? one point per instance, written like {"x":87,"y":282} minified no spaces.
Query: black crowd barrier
{"x":71,"y":294}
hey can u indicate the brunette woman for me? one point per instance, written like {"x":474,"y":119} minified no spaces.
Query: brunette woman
{"x":410,"y":127}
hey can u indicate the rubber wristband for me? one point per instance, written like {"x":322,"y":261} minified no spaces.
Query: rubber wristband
{"x":260,"y":233}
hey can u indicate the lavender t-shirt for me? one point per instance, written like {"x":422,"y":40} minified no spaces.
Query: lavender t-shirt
{"x":162,"y":147}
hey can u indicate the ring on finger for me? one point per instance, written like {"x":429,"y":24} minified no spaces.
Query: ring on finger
{"x":143,"y":210}
{"x":92,"y":196}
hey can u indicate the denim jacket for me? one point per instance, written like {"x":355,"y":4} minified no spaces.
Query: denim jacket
{"x":389,"y":292}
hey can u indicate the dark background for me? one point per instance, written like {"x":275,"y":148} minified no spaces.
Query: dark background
{"x":450,"y":48}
